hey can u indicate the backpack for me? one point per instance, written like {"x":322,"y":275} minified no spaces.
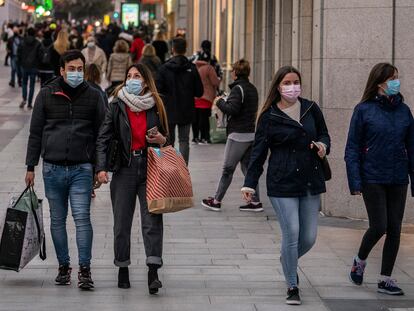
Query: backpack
{"x":221,"y":117}
{"x":5,"y":36}
{"x":45,"y":54}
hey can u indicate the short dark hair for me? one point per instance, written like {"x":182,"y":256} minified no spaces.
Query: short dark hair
{"x":179,"y":45}
{"x":71,"y":55}
{"x":31,"y":32}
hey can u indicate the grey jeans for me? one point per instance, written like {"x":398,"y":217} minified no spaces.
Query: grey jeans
{"x":126,"y":184}
{"x":234,"y":153}
{"x":183,"y":138}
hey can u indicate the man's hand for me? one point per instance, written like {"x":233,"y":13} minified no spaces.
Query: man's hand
{"x":29,"y":179}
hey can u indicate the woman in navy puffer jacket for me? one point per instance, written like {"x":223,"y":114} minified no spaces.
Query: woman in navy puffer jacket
{"x":379,"y":158}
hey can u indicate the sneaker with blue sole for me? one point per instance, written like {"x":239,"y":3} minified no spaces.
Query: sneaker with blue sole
{"x":356,"y":275}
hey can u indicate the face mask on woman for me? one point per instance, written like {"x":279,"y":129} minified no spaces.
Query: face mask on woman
{"x":393,"y":87}
{"x":290,"y":92}
{"x":134,"y":86}
{"x":91,"y":44}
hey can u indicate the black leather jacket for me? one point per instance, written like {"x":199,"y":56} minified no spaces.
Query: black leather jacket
{"x":116,"y":125}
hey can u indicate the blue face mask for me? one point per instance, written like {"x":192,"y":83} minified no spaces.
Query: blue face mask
{"x":393,"y":87}
{"x":134,"y":86}
{"x":75,"y":78}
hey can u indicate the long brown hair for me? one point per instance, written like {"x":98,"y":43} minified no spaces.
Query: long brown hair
{"x":379,"y":74}
{"x":149,"y":86}
{"x":274,"y":94}
{"x":93,"y":73}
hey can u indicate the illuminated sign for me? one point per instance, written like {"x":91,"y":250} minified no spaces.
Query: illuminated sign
{"x":130,"y":14}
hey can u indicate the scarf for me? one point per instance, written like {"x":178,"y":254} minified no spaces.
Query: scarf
{"x":136,"y":103}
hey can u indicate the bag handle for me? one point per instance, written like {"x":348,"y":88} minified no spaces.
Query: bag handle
{"x":42,"y":250}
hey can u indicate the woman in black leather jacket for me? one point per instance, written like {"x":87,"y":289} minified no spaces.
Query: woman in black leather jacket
{"x":136,"y":119}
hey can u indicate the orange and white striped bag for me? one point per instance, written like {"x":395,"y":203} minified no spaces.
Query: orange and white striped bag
{"x":169,"y":186}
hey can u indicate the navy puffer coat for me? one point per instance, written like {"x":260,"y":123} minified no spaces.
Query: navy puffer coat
{"x":380,"y":146}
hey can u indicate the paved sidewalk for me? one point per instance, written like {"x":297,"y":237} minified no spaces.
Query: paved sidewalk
{"x":213,"y":261}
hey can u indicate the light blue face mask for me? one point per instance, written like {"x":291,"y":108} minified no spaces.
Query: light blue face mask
{"x":75,"y":78}
{"x":134,"y":86}
{"x":393,"y":87}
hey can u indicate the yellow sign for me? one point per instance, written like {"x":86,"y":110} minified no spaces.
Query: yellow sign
{"x":107,"y":20}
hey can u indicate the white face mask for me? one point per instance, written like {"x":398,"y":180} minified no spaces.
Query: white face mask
{"x":91,"y":44}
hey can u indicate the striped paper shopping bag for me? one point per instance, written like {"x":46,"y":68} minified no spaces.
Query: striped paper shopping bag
{"x":169,"y":186}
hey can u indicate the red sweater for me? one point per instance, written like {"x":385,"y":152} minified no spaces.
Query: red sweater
{"x":138,"y":123}
{"x":136,"y":48}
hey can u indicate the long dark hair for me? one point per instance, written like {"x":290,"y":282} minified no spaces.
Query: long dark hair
{"x":149,"y":86}
{"x":379,"y":74}
{"x":274,"y":94}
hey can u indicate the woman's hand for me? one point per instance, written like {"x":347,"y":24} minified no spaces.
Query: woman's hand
{"x":321,"y":148}
{"x":103,"y":177}
{"x":157,"y":139}
{"x":247,"y":194}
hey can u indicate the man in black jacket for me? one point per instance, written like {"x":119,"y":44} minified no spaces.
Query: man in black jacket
{"x":12,"y":48}
{"x":178,"y":83}
{"x":66,"y":118}
{"x":29,"y":59}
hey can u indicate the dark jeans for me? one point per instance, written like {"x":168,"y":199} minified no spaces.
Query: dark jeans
{"x":29,"y":75}
{"x":15,"y":69}
{"x":201,"y":125}
{"x":385,"y":205}
{"x":72,"y":184}
{"x":126,"y":184}
{"x":234,"y":153}
{"x":183,"y":139}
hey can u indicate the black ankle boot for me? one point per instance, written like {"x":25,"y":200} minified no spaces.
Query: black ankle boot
{"x":153,"y":282}
{"x":123,"y":278}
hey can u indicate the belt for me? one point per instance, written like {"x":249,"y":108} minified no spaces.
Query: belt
{"x":139,"y":153}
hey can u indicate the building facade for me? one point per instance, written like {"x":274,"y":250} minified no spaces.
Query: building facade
{"x":334,"y":43}
{"x":12,"y":12}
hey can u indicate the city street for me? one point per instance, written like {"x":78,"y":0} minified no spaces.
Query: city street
{"x":212,"y":261}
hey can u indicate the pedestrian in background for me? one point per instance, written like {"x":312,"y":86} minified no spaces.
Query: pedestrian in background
{"x":60,"y":47}
{"x":46,"y":71}
{"x":206,"y":53}
{"x":379,"y":157}
{"x":94,"y":54}
{"x":179,"y":82}
{"x":29,"y":57}
{"x":119,"y":62}
{"x":294,"y":130}
{"x":241,"y":108}
{"x":161,"y":46}
{"x":137,"y":120}
{"x":201,"y":124}
{"x":150,"y":59}
{"x":12,"y":48}
{"x":136,"y":47}
{"x":65,"y":122}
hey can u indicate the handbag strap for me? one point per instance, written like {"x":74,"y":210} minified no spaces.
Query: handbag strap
{"x":42,"y":241}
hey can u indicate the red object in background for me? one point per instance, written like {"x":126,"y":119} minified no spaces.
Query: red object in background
{"x":136,"y":49}
{"x":203,"y":103}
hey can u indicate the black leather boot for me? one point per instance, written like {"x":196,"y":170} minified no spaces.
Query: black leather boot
{"x":153,"y":282}
{"x":123,"y":278}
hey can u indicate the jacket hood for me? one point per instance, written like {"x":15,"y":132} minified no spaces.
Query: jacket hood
{"x":200,"y":63}
{"x":178,"y":63}
{"x":237,"y":81}
{"x":120,"y":56}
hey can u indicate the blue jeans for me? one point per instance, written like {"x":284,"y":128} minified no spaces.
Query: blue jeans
{"x":298,"y":219}
{"x":15,"y":69}
{"x":29,"y":74}
{"x":72,"y":184}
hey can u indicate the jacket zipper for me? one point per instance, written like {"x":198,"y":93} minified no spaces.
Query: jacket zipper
{"x":290,"y":119}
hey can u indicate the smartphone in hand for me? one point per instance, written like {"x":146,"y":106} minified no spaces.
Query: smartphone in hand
{"x":152,"y":131}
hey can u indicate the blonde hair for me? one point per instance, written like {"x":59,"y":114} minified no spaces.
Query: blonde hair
{"x":61,"y":44}
{"x":148,"y":50}
{"x":150,"y":85}
{"x":121,"y":46}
